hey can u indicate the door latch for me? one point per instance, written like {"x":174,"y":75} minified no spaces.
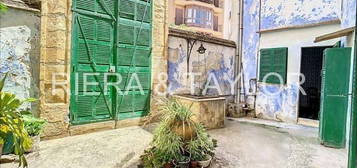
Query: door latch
{"x":112,"y":69}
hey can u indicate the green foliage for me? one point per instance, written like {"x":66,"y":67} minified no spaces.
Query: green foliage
{"x":3,"y":7}
{"x":2,"y":82}
{"x":11,"y":122}
{"x":201,"y":146}
{"x":33,"y":125}
{"x":168,"y":146}
{"x":174,"y":111}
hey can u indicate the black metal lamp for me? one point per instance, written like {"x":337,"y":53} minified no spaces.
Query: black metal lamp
{"x":201,"y":49}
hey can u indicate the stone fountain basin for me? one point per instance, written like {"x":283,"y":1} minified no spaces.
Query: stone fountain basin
{"x":208,"y":110}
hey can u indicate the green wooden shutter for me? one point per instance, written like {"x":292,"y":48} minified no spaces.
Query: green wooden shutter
{"x":334,"y":96}
{"x":273,"y":60}
{"x":107,"y":34}
{"x":133,"y":56}
{"x":352,"y":154}
{"x":93,"y":46}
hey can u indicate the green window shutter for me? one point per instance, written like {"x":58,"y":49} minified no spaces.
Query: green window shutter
{"x":93,"y":51}
{"x":133,"y":56}
{"x":127,"y":9}
{"x":273,"y":60}
{"x":110,"y":35}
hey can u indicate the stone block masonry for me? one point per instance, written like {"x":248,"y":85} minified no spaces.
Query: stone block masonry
{"x":56,"y":29}
{"x":55,"y":58}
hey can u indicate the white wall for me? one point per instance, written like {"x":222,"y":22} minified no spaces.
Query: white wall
{"x":295,"y":39}
{"x":231,"y":20}
{"x":284,"y":107}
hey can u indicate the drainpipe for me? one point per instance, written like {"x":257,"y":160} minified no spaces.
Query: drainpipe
{"x":257,"y":60}
{"x":240,"y":50}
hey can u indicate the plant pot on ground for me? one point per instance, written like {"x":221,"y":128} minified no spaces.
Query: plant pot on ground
{"x":206,"y":162}
{"x":169,"y":165}
{"x":177,"y":139}
{"x":183,"y":163}
{"x":184,"y":129}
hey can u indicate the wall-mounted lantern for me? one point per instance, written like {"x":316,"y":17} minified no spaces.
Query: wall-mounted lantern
{"x":201,"y":49}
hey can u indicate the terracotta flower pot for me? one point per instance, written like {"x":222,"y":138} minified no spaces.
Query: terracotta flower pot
{"x":184,"y":129}
{"x":194,"y":164}
{"x":168,"y":165}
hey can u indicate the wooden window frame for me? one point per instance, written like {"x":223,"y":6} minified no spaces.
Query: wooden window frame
{"x":208,"y":23}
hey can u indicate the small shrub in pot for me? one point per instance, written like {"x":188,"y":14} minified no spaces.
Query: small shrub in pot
{"x":178,"y":140}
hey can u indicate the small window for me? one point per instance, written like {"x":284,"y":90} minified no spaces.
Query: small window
{"x":273,"y":63}
{"x":199,"y":17}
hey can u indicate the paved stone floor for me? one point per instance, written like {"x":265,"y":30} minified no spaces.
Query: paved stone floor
{"x":243,"y":143}
{"x":265,"y":144}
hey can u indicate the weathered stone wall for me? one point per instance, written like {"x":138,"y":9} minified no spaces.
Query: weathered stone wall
{"x":56,"y":25}
{"x":55,"y":58}
{"x":20,"y":53}
{"x":159,"y":52}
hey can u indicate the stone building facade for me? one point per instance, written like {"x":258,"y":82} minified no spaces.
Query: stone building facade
{"x":56,"y":32}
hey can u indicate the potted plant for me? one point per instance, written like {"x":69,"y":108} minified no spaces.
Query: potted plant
{"x":11,"y":123}
{"x":178,"y":141}
{"x":202,"y":147}
{"x":34,"y":127}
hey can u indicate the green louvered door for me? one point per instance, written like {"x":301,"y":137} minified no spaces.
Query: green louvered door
{"x":104,"y":41}
{"x":334,"y":96}
{"x":133,"y":58}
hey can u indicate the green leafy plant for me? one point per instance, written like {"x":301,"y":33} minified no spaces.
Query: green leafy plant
{"x":11,"y":122}
{"x":201,"y":146}
{"x":33,"y":125}
{"x":3,"y":7}
{"x":177,"y":138}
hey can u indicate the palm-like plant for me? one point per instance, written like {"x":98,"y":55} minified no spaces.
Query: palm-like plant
{"x":11,"y":122}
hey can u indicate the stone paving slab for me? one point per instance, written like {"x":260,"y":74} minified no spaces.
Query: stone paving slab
{"x":108,"y":149}
{"x":241,"y":144}
{"x":268,"y":144}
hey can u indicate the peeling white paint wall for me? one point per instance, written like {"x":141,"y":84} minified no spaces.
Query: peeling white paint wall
{"x":284,"y":106}
{"x":218,"y":60}
{"x":282,"y":13}
{"x":14,"y":59}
